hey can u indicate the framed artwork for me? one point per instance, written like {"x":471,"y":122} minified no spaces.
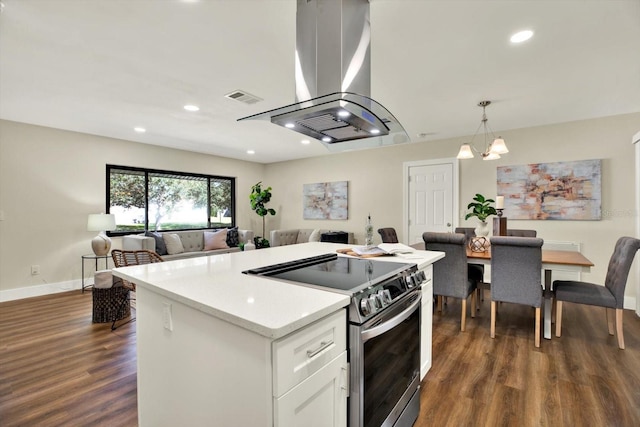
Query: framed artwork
{"x":553,"y":191}
{"x":325,"y":200}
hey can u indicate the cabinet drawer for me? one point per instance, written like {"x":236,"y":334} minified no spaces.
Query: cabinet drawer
{"x":320,"y":400}
{"x":299,"y":355}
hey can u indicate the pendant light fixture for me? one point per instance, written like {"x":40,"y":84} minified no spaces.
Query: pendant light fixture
{"x":493,"y":148}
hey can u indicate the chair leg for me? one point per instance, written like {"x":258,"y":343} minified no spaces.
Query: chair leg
{"x":439,"y":308}
{"x":537,"y":328}
{"x":558,"y":318}
{"x":474,"y":299}
{"x":493,"y":319}
{"x":609,"y":312}
{"x":619,"y":328}
{"x":463,"y":316}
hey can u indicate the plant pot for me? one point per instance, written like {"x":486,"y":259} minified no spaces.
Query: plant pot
{"x":480,"y":243}
{"x":482,"y":229}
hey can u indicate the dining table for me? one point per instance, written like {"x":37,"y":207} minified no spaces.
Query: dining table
{"x":569,"y":261}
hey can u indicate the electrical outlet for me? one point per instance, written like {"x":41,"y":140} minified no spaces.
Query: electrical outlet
{"x":35,"y":270}
{"x":167,"y":321}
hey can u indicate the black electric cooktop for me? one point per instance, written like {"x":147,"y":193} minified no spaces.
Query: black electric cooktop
{"x":342,"y":274}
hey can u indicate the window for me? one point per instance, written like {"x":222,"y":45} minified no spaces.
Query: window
{"x":147,"y":199}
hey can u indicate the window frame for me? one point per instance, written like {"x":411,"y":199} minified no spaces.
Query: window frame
{"x":147,"y":172}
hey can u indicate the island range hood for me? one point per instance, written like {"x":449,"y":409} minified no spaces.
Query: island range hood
{"x":333,"y":80}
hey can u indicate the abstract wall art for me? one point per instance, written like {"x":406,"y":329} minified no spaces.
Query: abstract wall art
{"x":325,"y":200}
{"x":553,"y":191}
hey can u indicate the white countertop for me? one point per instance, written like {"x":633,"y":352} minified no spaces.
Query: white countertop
{"x":215,"y":285}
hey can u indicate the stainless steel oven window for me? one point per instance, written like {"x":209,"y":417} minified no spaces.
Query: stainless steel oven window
{"x":385,"y":363}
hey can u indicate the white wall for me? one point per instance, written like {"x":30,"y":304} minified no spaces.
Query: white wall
{"x":375,"y":183}
{"x":50,"y":180}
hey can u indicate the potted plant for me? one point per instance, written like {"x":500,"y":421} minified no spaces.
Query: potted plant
{"x":481,"y":208}
{"x":258,"y":198}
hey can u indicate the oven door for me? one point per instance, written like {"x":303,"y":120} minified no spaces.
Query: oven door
{"x":385,"y":365}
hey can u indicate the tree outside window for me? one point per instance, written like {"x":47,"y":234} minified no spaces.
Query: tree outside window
{"x":159,"y":200}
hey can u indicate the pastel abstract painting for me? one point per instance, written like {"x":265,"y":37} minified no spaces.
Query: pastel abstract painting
{"x":325,"y":200}
{"x":560,"y":190}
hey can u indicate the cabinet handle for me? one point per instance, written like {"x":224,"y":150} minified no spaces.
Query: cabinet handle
{"x":323,"y":345}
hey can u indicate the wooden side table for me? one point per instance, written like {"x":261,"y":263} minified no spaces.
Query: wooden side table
{"x":95,"y":258}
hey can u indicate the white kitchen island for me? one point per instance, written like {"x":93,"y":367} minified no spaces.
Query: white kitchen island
{"x":220,"y":348}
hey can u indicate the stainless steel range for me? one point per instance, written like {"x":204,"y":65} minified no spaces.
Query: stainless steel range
{"x":384,"y":331}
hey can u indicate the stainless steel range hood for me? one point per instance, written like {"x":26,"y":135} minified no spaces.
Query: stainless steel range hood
{"x":333,"y":80}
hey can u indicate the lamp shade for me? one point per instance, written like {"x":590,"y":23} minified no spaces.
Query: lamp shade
{"x":498,"y":146}
{"x":491,"y":156}
{"x":465,"y":152}
{"x":101,"y":222}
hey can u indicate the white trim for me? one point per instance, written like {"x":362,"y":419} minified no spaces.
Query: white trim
{"x":39,"y":290}
{"x":455,"y":163}
{"x":636,"y":140}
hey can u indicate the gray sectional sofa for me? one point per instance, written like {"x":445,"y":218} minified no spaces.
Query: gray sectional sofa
{"x":193,"y":243}
{"x":298,"y":235}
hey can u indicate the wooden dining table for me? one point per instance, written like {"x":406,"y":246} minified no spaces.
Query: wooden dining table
{"x":571,"y":261}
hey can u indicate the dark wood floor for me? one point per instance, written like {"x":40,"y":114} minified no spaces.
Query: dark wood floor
{"x":59,"y":369}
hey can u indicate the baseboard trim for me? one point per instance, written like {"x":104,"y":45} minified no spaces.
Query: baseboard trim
{"x":39,"y":290}
{"x":630,"y":303}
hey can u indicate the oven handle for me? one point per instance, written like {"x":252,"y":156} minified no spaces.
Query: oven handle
{"x":391,"y":323}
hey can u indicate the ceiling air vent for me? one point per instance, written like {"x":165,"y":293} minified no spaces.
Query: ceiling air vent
{"x":242,"y":96}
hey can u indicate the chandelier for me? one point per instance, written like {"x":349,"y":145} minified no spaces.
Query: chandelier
{"x":493,"y":149}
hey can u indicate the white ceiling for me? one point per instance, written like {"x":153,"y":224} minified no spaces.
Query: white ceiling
{"x":105,"y":66}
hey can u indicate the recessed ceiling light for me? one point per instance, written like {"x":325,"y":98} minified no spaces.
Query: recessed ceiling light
{"x":251,"y":152}
{"x":139,"y":129}
{"x":344,"y":113}
{"x":326,"y":139}
{"x":375,"y":131}
{"x":305,"y":142}
{"x":521,"y":36}
{"x":190,"y":107}
{"x":289,"y":125}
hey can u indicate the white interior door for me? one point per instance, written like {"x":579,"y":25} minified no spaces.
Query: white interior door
{"x":431,"y":193}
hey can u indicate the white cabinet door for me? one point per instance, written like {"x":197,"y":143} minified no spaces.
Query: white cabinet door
{"x":318,"y":401}
{"x":426,"y":323}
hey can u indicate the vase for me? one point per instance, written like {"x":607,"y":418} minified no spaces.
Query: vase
{"x":482,"y":229}
{"x":480,"y":243}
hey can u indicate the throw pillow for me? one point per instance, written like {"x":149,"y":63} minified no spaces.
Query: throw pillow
{"x":173,"y":243}
{"x":315,"y":235}
{"x":233,"y":238}
{"x":215,"y":239}
{"x":161,"y":248}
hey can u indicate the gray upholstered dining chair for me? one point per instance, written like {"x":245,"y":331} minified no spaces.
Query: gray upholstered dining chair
{"x":450,"y":275}
{"x":388,"y":235}
{"x":521,"y":233}
{"x":516,"y":275}
{"x":476,"y":271}
{"x":610,"y":296}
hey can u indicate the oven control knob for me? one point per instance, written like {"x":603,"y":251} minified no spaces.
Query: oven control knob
{"x":376,"y":303}
{"x":384,"y":296}
{"x":410,"y":282}
{"x":416,"y":278}
{"x":365,"y":306}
